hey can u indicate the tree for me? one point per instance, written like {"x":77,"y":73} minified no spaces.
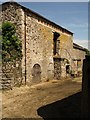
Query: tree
{"x":11,"y":45}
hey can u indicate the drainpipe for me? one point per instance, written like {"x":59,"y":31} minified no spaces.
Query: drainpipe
{"x":25,"y":42}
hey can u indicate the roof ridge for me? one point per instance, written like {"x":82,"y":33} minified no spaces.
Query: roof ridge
{"x":53,"y":23}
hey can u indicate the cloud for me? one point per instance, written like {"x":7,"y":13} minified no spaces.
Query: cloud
{"x":78,"y":25}
{"x":83,"y":43}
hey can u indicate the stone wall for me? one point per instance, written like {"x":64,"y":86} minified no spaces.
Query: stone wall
{"x":13,"y":13}
{"x":78,"y":55}
{"x":66,"y":48}
{"x":11,"y":74}
{"x":39,"y":41}
{"x":37,"y":36}
{"x":39,"y":48}
{"x":36,"y":41}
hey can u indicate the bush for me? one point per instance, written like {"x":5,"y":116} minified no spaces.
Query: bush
{"x":11,"y":45}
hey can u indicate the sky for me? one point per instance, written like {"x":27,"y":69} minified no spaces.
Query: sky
{"x":70,"y":15}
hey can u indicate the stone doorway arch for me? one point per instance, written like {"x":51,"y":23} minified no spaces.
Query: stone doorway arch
{"x":36,"y":73}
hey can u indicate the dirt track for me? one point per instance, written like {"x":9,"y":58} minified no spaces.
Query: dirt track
{"x":29,"y":102}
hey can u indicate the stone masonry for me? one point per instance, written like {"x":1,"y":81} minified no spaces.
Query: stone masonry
{"x":47,"y":48}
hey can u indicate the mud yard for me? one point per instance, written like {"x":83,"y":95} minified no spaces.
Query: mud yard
{"x":53,"y":99}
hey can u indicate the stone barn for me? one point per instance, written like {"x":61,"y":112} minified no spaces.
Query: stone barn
{"x":48,"y":49}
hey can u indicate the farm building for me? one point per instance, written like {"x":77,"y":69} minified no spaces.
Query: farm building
{"x":48,"y":49}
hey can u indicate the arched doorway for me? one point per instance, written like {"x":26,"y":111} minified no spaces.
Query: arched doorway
{"x":36,"y":73}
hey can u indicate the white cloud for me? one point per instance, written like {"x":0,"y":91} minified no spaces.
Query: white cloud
{"x":78,"y":25}
{"x":89,"y":44}
{"x":83,"y":43}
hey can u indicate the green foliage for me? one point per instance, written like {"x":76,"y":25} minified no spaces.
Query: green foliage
{"x":11,"y":45}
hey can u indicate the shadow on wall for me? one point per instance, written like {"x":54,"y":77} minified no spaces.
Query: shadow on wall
{"x":69,"y":107}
